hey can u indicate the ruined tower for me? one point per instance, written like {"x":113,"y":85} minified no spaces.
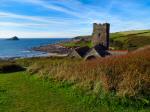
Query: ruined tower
{"x":100,"y":34}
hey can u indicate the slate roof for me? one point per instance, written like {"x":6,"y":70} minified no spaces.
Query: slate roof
{"x":97,"y":51}
{"x":101,"y":50}
{"x":94,"y":52}
{"x":80,"y":52}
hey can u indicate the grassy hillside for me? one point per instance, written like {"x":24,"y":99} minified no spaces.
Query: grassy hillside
{"x":118,"y":83}
{"x":89,"y":72}
{"x":129,"y":40}
{"x":20,"y":92}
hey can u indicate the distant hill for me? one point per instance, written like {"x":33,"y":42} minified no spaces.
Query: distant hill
{"x":130,"y":40}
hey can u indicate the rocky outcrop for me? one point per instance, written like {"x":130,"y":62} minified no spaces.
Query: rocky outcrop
{"x":54,"y":48}
{"x":13,"y":38}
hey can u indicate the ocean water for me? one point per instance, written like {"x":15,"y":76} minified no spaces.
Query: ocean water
{"x":22,"y":48}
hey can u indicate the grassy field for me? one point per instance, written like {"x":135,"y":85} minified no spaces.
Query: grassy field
{"x":20,"y":92}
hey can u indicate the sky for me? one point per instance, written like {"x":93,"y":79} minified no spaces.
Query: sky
{"x":69,"y":18}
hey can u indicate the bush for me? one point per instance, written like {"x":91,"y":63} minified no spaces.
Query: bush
{"x":9,"y":66}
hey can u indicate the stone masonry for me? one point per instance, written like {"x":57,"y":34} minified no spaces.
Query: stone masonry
{"x":100,"y":34}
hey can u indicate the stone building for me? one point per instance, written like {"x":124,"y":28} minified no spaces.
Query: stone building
{"x":100,"y":42}
{"x":79,"y":52}
{"x":100,"y":34}
{"x":96,"y":52}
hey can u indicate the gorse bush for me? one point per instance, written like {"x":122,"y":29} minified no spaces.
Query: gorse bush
{"x":127,"y":75}
{"x":9,"y":66}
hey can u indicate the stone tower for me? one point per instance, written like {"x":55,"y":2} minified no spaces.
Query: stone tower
{"x":100,"y":34}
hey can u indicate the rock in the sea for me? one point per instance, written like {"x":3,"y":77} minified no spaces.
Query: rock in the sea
{"x":13,"y":38}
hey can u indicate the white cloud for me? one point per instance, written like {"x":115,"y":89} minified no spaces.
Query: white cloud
{"x":15,"y":24}
{"x":31,"y":18}
{"x":51,"y":6}
{"x":43,"y":20}
{"x":82,"y":24}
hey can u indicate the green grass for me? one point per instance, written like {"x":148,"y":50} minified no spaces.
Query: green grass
{"x":134,"y":32}
{"x":130,"y":40}
{"x":81,"y":44}
{"x":20,"y":92}
{"x":122,"y":36}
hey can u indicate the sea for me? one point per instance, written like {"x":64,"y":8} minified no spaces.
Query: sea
{"x":23,"y":48}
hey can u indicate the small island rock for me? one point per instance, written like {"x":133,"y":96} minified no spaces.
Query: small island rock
{"x":14,"y":38}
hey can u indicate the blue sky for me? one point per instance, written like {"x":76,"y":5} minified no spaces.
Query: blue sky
{"x":69,"y":18}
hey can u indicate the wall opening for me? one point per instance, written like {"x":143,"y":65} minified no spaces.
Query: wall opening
{"x":99,"y":35}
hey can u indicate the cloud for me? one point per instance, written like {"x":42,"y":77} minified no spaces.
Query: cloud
{"x":76,"y":17}
{"x":43,"y":20}
{"x":31,"y":18}
{"x":16,"y":24}
{"x":49,"y":5}
{"x":74,"y":8}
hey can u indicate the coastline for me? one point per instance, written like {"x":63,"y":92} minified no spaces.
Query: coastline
{"x":58,"y":53}
{"x":52,"y":48}
{"x":36,"y":56}
{"x":27,"y":48}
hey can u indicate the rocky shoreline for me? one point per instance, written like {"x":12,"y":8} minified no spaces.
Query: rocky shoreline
{"x":53,"y":49}
{"x":50,"y":50}
{"x":58,"y":49}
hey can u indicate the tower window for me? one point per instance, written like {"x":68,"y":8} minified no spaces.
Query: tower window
{"x":99,"y":35}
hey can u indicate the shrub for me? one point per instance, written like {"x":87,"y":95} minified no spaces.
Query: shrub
{"x":9,"y":66}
